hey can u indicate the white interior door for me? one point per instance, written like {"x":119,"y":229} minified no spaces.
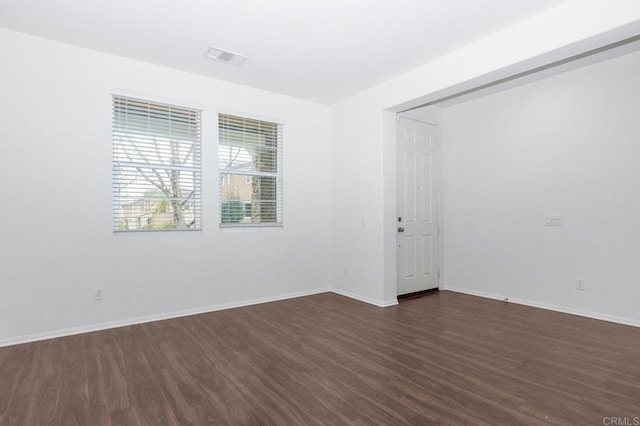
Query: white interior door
{"x":417,"y":223}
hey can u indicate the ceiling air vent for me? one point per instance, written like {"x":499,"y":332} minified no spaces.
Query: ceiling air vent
{"x":225,"y":56}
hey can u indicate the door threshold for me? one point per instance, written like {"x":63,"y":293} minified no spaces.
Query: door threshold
{"x":417,"y":294}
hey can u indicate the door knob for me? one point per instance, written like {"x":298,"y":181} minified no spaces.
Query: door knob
{"x":400,"y":229}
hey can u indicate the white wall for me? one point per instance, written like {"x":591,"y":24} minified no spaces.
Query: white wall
{"x":566,"y":145}
{"x":56,"y":242}
{"x":363,"y":128}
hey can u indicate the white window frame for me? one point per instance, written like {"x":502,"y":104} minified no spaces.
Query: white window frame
{"x":135,"y":160}
{"x":279,"y":223}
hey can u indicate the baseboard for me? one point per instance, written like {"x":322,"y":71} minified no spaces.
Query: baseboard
{"x":379,"y":303}
{"x":150,"y":318}
{"x":551,"y":307}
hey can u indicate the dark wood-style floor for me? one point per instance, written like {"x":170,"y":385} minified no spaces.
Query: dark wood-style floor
{"x":445,"y":358}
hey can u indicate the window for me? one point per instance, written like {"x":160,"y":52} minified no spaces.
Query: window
{"x":156,"y":166}
{"x":250,"y":162}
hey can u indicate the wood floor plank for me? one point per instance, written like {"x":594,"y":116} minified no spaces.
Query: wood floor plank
{"x":445,"y":358}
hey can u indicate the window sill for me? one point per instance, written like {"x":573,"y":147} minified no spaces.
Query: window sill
{"x":249,"y":226}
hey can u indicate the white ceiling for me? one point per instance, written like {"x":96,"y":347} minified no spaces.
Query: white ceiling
{"x":320,"y":50}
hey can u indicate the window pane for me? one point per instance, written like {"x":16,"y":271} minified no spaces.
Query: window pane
{"x":246,"y":202}
{"x":146,"y":202}
{"x":257,"y":157}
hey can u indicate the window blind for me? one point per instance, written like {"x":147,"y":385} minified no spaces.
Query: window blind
{"x":156,"y":166}
{"x":250,"y":164}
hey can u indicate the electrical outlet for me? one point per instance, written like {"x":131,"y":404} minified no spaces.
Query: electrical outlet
{"x":346,"y":271}
{"x":581,"y":285}
{"x":552,"y":220}
{"x":98,"y":293}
